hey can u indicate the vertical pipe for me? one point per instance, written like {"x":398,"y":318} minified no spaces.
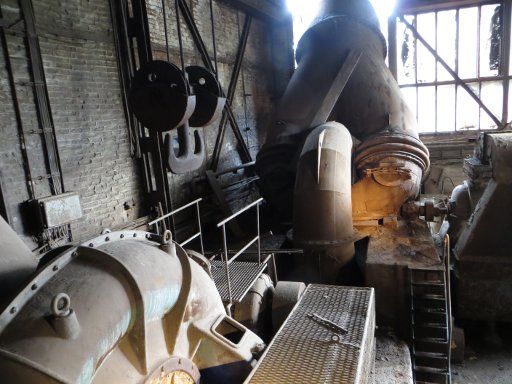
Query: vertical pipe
{"x":322,"y":217}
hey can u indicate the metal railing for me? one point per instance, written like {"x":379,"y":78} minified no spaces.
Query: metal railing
{"x":199,"y":234}
{"x":225,"y":254}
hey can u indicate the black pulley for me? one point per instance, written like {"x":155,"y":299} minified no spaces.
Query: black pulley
{"x":209,"y":100}
{"x":160,"y":96}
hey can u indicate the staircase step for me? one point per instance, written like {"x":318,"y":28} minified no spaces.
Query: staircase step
{"x":429,"y":296}
{"x":422,"y":289}
{"x":429,"y":303}
{"x":431,"y":375}
{"x":429,"y":317}
{"x":434,"y":332}
{"x":433,"y":360}
{"x":429,"y":344}
{"x":423,"y":283}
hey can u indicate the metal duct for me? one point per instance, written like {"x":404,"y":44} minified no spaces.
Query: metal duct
{"x":342,"y":76}
{"x":322,"y":221}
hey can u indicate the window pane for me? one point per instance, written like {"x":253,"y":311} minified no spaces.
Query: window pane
{"x":492,"y":97}
{"x":406,"y":53}
{"x":426,"y":61}
{"x":467,"y":109}
{"x":446,"y":41}
{"x":468,"y":43}
{"x":409,"y":94}
{"x":490,"y":40}
{"x":427,"y":109}
{"x":446,"y":108}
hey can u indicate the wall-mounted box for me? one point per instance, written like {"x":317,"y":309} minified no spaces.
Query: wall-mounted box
{"x":54,"y":211}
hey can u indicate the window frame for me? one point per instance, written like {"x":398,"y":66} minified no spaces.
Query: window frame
{"x":504,"y":76}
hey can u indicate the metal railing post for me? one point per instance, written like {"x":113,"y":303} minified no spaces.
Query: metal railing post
{"x":226,"y":260}
{"x":258,"y":229}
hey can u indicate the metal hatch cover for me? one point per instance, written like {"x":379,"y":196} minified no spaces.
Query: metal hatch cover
{"x":328,"y":338}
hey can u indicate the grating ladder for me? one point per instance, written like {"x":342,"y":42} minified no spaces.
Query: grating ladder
{"x":431,"y":326}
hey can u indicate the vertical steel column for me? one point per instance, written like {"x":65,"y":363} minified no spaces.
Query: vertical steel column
{"x":44,"y":111}
{"x":131,"y":57}
{"x":17,"y":112}
{"x":505,"y":56}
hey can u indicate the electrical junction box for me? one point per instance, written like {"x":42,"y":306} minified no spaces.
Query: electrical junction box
{"x":55,"y":211}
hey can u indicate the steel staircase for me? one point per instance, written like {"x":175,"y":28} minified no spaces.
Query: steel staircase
{"x":431,"y":324}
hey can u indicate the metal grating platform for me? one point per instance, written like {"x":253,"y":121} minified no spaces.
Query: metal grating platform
{"x":242,"y":275}
{"x":328,"y":338}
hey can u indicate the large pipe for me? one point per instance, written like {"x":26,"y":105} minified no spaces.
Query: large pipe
{"x":322,"y":222}
{"x":391,"y":160}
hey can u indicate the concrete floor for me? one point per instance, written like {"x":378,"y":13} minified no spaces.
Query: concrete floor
{"x":488,"y":357}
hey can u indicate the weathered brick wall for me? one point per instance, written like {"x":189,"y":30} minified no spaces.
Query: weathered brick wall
{"x":80,"y":64}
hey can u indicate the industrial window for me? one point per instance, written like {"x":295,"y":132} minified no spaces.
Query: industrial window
{"x":471,"y":41}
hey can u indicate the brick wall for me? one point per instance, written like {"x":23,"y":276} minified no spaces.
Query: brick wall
{"x":81,"y":71}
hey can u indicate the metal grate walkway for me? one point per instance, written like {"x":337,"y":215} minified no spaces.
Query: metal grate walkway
{"x":243,"y":275}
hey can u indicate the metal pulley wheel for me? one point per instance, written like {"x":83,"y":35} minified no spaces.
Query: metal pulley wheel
{"x":209,"y":99}
{"x":160,"y":96}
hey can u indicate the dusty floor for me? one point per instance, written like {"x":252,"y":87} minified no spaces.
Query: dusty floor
{"x":392,"y":361}
{"x":488,"y":356}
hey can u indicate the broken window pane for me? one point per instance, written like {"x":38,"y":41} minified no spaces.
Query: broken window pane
{"x":446,"y":42}
{"x":446,"y":108}
{"x":406,"y":53}
{"x":490,"y":40}
{"x":467,"y":109}
{"x":427,"y":109}
{"x":426,"y":61}
{"x":468,"y":43}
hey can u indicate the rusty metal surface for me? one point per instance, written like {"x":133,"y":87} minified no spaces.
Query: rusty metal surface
{"x":242,"y":276}
{"x":391,"y":160}
{"x":328,"y":338}
{"x":166,"y":306}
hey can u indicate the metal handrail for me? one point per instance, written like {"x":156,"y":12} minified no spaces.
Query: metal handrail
{"x":175,"y":211}
{"x":225,"y":253}
{"x":225,"y":221}
{"x":198,"y":214}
